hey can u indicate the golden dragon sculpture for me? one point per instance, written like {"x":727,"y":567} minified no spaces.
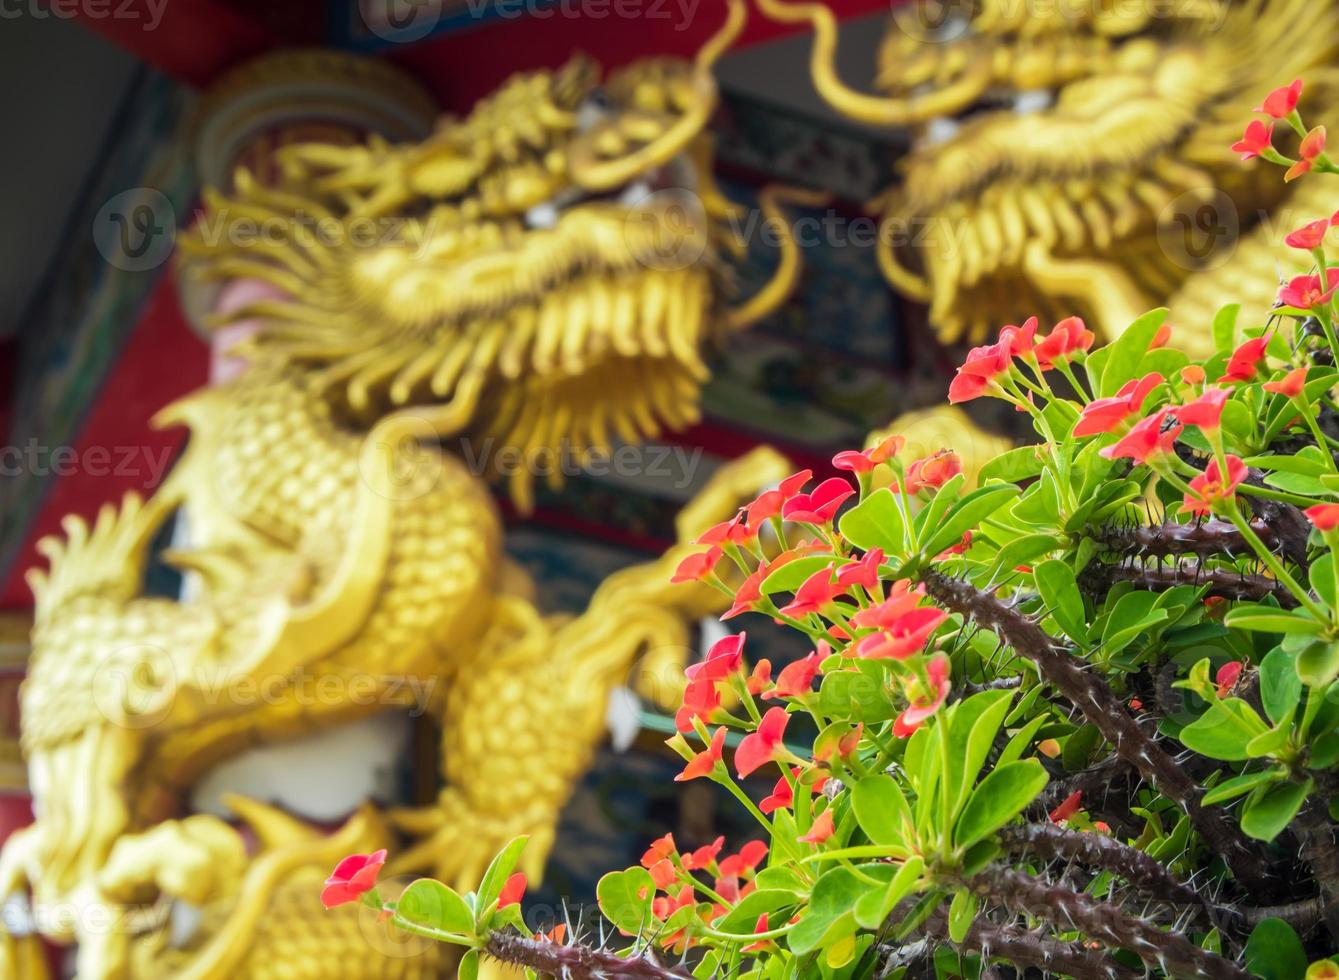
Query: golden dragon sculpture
{"x":1075,"y":157}
{"x":537,"y":295}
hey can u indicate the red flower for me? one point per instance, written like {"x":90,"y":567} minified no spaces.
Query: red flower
{"x":1068,"y":336}
{"x":864,"y":573}
{"x":558,"y":934}
{"x":924,"y":703}
{"x":352,"y":878}
{"x":1206,"y":411}
{"x":1304,"y":292}
{"x":664,"y":874}
{"x":748,"y":859}
{"x":703,"y":856}
{"x":661,"y":849}
{"x":1226,"y":677}
{"x":794,"y":483}
{"x":782,"y":798}
{"x":1161,"y":338}
{"x":700,"y":699}
{"x":1145,"y":439}
{"x":796,"y":678}
{"x":1193,"y":374}
{"x":705,"y":761}
{"x":1324,"y":516}
{"x":1105,"y":414}
{"x":762,"y":746}
{"x":760,"y":678}
{"x":820,"y":506}
{"x":901,"y":600}
{"x":821,"y":829}
{"x":904,"y":637}
{"x":1071,"y":805}
{"x":749,"y":592}
{"x":863,"y":462}
{"x":734,"y":531}
{"x":760,"y":928}
{"x":982,"y":367}
{"x":513,"y":891}
{"x":1312,"y":146}
{"x":1309,"y":236}
{"x":1210,"y":487}
{"x":1241,"y":366}
{"x":768,"y":505}
{"x":1255,"y":141}
{"x":1290,"y":385}
{"x":724,"y":658}
{"x":933,"y":471}
{"x":814,"y":595}
{"x":662,"y":908}
{"x":1281,"y":102}
{"x":696,"y":567}
{"x":1019,"y":341}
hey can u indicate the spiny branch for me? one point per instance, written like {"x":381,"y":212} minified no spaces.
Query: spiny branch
{"x":1101,"y":851}
{"x":1091,"y":694}
{"x":1032,"y":949}
{"x":1207,"y":539}
{"x":1319,"y":849}
{"x":575,"y":961}
{"x":1098,"y":578}
{"x":1068,"y":909}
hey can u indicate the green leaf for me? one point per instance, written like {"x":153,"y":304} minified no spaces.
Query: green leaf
{"x":875,"y":906}
{"x":1015,"y":465}
{"x":875,"y":522}
{"x":967,"y":514}
{"x":469,"y":966}
{"x":961,"y":913}
{"x":830,"y":915}
{"x":625,"y":898}
{"x":1271,"y":808}
{"x":1224,"y":731}
{"x":1238,"y":785}
{"x":1260,"y":618}
{"x":881,"y":809}
{"x":1322,"y":578}
{"x":1000,"y":797}
{"x":1021,"y":551}
{"x":944,"y":498}
{"x":1318,"y":664}
{"x":1274,"y":952}
{"x":1280,"y":687}
{"x":973,"y":724}
{"x":1128,"y":350}
{"x":499,"y":870}
{"x":432,"y":904}
{"x":1225,"y":328}
{"x":744,"y":916}
{"x":1022,"y":740}
{"x":792,"y":574}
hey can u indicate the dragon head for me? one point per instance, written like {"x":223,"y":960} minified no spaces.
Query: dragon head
{"x":543,"y":276}
{"x":1060,"y":147}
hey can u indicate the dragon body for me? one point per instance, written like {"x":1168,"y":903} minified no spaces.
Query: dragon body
{"x":540,"y":290}
{"x":1075,"y":157}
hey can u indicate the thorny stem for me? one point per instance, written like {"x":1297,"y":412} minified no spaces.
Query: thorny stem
{"x":1031,"y":949}
{"x":1320,"y":851}
{"x":1065,"y":908}
{"x":1101,"y":851}
{"x":1092,"y":695}
{"x":1222,"y":582}
{"x":578,"y":962}
{"x":1207,"y":539}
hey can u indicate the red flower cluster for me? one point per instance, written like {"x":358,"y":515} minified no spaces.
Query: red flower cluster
{"x":985,"y":365}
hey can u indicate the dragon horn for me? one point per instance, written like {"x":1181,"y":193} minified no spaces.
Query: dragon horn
{"x":779,"y":288}
{"x":871,"y":109}
{"x":595,"y":174}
